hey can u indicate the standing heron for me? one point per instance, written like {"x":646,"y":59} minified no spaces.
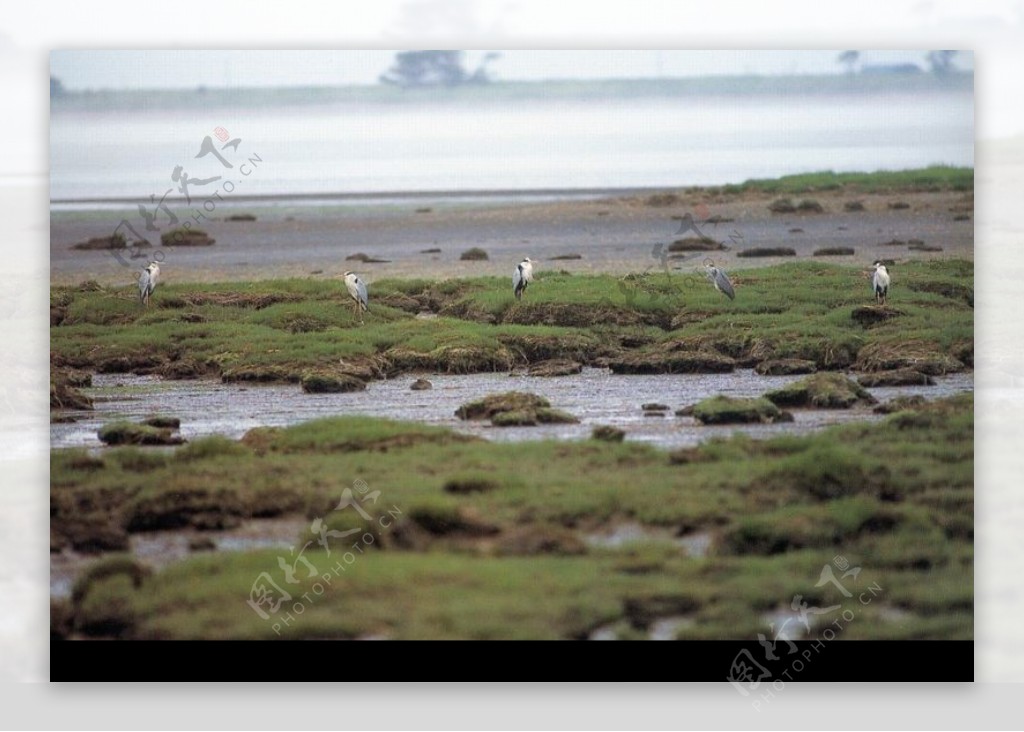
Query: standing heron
{"x":357,"y":289}
{"x":719,"y":279}
{"x":880,"y":283}
{"x":522,"y":277}
{"x":147,"y":282}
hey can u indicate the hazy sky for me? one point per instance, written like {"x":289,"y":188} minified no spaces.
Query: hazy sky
{"x":190,"y":68}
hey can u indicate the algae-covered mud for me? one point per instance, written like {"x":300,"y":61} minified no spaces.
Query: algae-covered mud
{"x":615,"y":456}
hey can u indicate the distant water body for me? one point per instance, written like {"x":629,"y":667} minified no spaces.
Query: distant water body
{"x":604,"y":142}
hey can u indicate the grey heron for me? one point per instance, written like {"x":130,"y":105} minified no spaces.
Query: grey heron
{"x":522,"y":277}
{"x":357,"y":289}
{"x":719,"y":279}
{"x":147,"y":282}
{"x":880,"y":282}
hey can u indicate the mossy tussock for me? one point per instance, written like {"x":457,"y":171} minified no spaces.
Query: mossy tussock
{"x":785,"y":367}
{"x":738,"y":410}
{"x":767,"y":252}
{"x":696,"y":244}
{"x":198,"y":507}
{"x":897,"y":377}
{"x":64,"y":390}
{"x":900,"y":404}
{"x":331,"y":383}
{"x":803,"y":206}
{"x":835,"y":252}
{"x":162,"y":422}
{"x":607,"y":433}
{"x":131,"y":433}
{"x":186,"y":237}
{"x":821,"y":391}
{"x":493,"y":404}
{"x":672,"y":362}
{"x":514,"y":409}
{"x":101,"y":599}
{"x":914,"y":355}
{"x":555,"y":367}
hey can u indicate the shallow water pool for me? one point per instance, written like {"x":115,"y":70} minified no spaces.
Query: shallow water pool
{"x":595,"y":396}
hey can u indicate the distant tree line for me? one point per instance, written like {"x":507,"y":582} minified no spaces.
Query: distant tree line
{"x":939,"y":62}
{"x":435,"y":68}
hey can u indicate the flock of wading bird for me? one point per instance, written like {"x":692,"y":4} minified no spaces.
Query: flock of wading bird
{"x":521,"y":279}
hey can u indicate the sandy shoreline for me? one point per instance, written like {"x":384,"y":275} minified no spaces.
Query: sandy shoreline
{"x":616,"y":234}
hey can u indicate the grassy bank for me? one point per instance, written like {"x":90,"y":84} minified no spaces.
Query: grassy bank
{"x":282,"y":330}
{"x":488,"y":540}
{"x":933,"y":178}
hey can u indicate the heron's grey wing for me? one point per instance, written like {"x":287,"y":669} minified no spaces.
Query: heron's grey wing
{"x":722,"y":283}
{"x":363,"y":296}
{"x":517,"y":278}
{"x":144,"y":283}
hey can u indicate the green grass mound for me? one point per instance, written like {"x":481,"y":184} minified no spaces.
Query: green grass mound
{"x":492,"y":404}
{"x":514,"y":409}
{"x":607,"y":433}
{"x":736,"y":410}
{"x":821,"y":391}
{"x":129,"y":433}
{"x":897,"y":377}
{"x":323,"y":383}
{"x":64,"y":392}
{"x":785,"y":367}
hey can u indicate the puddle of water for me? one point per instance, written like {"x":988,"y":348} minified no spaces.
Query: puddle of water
{"x":608,"y":632}
{"x":61,"y":579}
{"x":696,"y":544}
{"x":666,"y":629}
{"x":625,"y":534}
{"x":662,"y":629}
{"x":893,"y":614}
{"x":158,"y":549}
{"x":595,"y":396}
